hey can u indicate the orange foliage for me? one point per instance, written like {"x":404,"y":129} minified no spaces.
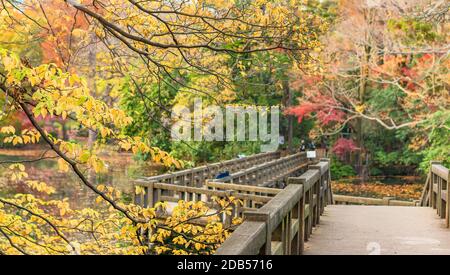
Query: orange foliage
{"x":379,"y":190}
{"x":65,"y":30}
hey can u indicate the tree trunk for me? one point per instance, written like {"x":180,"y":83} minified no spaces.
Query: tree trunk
{"x":361,"y":164}
{"x":288,"y":103}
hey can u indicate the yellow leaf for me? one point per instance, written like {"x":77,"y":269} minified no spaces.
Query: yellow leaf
{"x":98,"y":165}
{"x":33,"y":80}
{"x":139,"y":190}
{"x":104,"y":132}
{"x":26,"y":139}
{"x":125,"y":145}
{"x":62,"y":165}
{"x":44,"y":112}
{"x":8,"y":130}
{"x":101,"y":188}
{"x":84,"y":156}
{"x":360,"y":108}
{"x":99,"y":199}
{"x":17,"y":140}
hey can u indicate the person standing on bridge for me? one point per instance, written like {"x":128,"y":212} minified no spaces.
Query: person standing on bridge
{"x":302,"y":146}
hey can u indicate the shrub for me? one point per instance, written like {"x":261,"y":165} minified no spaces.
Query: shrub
{"x":341,"y":170}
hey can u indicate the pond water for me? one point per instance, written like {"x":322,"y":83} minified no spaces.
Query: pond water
{"x":121,"y":171}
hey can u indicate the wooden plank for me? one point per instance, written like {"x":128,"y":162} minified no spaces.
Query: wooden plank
{"x":402,"y":203}
{"x":282,"y":176}
{"x":172,"y":187}
{"x":425,"y":191}
{"x":447,"y":200}
{"x":282,"y":203}
{"x":240,"y":187}
{"x":247,"y":239}
{"x":258,"y":158}
{"x":256,"y":198}
{"x":307,"y":208}
{"x":309,"y":178}
{"x":440,"y":171}
{"x":294,"y":227}
{"x":277,"y":248}
{"x":444,"y":195}
{"x":370,"y":201}
{"x":322,"y":166}
{"x":170,"y":199}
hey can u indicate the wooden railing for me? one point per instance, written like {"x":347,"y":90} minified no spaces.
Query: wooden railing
{"x":156,"y":192}
{"x":344,"y":199}
{"x":269,"y":173}
{"x":272,"y":171}
{"x":436,"y":194}
{"x":196,"y":177}
{"x":245,"y":189}
{"x":284,"y":223}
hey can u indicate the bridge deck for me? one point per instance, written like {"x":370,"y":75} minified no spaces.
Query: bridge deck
{"x":355,"y":229}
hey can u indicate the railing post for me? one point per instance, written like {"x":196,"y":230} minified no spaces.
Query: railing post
{"x":447,"y":212}
{"x":442,"y":207}
{"x":387,"y":200}
{"x":299,"y":214}
{"x":227,"y":220}
{"x":137,"y":198}
{"x":146,"y":196}
{"x":262,"y":217}
{"x":310,"y":195}
{"x":306,"y":220}
{"x":154,"y":195}
{"x":316,"y":187}
{"x":142,"y":199}
{"x":432,"y":180}
{"x":329,"y":190}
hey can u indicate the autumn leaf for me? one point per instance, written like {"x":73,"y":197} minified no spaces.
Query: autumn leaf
{"x":62,"y":165}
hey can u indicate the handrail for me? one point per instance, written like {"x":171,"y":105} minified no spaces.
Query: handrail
{"x":438,"y":186}
{"x":152,"y":193}
{"x":283,"y":224}
{"x":197,"y":175}
{"x":156,"y":192}
{"x":245,"y":189}
{"x":344,"y":199}
{"x":268,"y":173}
{"x":242,"y":188}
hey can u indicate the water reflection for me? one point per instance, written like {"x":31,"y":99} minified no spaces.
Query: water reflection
{"x":121,"y":170}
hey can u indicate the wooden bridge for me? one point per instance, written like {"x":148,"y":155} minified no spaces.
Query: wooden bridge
{"x":289,"y":208}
